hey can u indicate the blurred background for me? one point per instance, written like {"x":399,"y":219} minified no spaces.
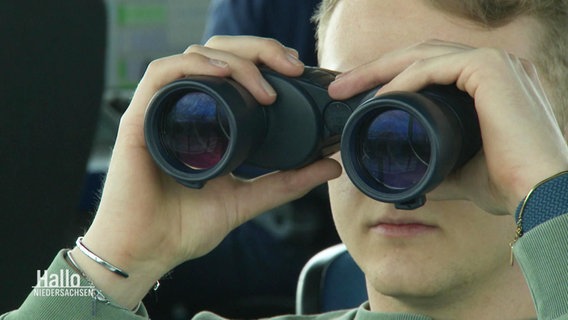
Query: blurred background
{"x":68,"y":70}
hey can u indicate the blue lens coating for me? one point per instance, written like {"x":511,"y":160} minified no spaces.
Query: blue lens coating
{"x":196,"y":131}
{"x":395,"y":149}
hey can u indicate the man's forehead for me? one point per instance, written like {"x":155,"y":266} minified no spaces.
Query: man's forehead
{"x":360,"y":31}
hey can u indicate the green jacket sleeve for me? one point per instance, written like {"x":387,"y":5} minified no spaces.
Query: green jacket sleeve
{"x":58,"y":301}
{"x":543,"y":256}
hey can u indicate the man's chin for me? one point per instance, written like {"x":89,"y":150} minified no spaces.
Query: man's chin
{"x":420,"y":295}
{"x":410,"y":281}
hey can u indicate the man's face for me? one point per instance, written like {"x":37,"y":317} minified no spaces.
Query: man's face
{"x":438,"y":250}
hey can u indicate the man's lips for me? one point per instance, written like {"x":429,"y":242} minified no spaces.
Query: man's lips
{"x":402,"y":227}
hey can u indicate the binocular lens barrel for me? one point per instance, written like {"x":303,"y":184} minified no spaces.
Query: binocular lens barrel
{"x":200,"y":128}
{"x":399,"y":146}
{"x":196,"y":131}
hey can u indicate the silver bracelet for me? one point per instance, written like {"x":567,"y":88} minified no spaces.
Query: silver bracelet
{"x":96,"y":294}
{"x":98,"y":259}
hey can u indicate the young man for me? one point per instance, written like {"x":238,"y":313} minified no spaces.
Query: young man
{"x":449,"y":259}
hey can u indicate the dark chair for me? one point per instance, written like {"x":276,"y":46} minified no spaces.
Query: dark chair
{"x":330,"y":281}
{"x":51,"y":74}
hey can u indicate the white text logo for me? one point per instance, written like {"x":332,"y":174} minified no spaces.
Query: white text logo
{"x":62,"y":284}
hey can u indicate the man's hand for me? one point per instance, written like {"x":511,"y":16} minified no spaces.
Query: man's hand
{"x":147,"y":223}
{"x":522,"y":143}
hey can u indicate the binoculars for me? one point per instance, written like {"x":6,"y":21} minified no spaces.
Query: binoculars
{"x":395,"y":147}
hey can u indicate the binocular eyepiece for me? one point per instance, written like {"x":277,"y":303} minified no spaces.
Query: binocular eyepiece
{"x":394,"y":147}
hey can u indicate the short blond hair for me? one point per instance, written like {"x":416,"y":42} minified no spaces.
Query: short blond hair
{"x":552,"y":57}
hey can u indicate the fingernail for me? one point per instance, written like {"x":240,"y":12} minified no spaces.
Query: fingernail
{"x":293,"y":60}
{"x":293,"y":52}
{"x":267,"y":87}
{"x":218,"y":63}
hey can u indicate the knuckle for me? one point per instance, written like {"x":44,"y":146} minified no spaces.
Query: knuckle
{"x":193,"y":48}
{"x":272,"y":45}
{"x":214,"y":41}
{"x":155,"y":65}
{"x":191,"y":56}
{"x":273,"y":42}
